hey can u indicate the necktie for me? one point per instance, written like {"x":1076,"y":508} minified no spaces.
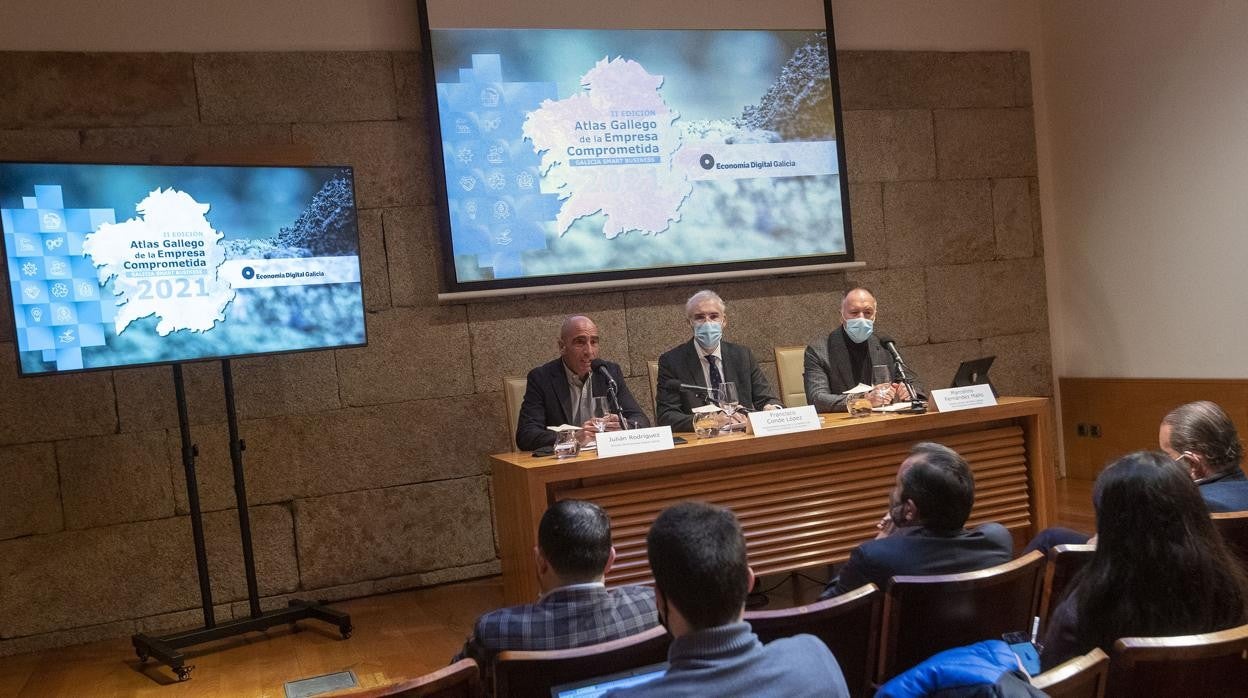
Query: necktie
{"x":717,"y":378}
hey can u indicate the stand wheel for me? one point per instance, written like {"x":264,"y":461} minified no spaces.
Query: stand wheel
{"x":345,"y":631}
{"x":183,"y":672}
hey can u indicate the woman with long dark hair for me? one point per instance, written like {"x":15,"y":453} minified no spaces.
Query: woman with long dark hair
{"x":1160,"y":567}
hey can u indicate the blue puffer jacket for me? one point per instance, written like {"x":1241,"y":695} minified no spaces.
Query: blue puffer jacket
{"x":988,"y":668}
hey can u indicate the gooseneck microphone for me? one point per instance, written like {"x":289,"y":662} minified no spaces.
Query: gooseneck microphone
{"x":890,"y":345}
{"x":613,"y":389}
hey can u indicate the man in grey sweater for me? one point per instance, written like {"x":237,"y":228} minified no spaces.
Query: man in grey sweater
{"x":697,"y":554}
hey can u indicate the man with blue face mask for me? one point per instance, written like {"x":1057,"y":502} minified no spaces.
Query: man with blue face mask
{"x":845,"y":359}
{"x":708,"y":361}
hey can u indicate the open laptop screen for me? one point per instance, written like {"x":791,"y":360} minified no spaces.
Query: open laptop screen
{"x":597,"y":686}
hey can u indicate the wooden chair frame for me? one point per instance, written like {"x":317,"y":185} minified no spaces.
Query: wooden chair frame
{"x":1064,"y":561}
{"x":820,"y":619}
{"x":1030,"y":567}
{"x":465,"y":673}
{"x":1131,"y":656}
{"x":1081,"y":677}
{"x":565,"y":666}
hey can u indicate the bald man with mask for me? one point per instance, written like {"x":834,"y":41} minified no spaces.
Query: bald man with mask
{"x":559,"y":391}
{"x":845,"y":358}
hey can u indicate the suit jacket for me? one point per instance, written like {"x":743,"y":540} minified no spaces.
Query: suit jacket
{"x":562,"y":619}
{"x":827,"y":370}
{"x":919,"y":550}
{"x":1226,"y":492}
{"x":548,"y":404}
{"x":675,"y":407}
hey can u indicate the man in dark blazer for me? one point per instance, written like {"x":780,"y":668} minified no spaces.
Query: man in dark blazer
{"x":690,"y":364}
{"x":845,"y":358}
{"x":548,"y":396}
{"x":574,"y":554}
{"x":1202,"y":437}
{"x":924,"y":530}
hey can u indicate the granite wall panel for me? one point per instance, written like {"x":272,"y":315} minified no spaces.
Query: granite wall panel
{"x":367,"y":468}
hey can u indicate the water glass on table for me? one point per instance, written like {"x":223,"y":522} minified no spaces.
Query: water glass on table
{"x":601,"y":412}
{"x":882,"y":379}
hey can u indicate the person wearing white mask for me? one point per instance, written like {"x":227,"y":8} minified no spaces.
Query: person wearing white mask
{"x":845,"y":359}
{"x":708,"y":362}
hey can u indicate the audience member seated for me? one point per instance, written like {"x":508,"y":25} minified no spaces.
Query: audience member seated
{"x":560,"y":391}
{"x":574,"y":553}
{"x":924,"y":530}
{"x":697,"y":555}
{"x":708,"y":361}
{"x":1201,"y":437}
{"x":1159,"y":569}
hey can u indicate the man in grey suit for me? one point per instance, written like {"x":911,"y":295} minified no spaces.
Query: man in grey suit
{"x":708,"y":361}
{"x":845,"y":357}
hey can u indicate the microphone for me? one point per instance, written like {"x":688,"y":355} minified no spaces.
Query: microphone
{"x":675,"y":384}
{"x":888,"y":343}
{"x":612,"y":389}
{"x":601,"y":366}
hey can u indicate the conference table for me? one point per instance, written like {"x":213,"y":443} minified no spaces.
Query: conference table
{"x":804,"y":499}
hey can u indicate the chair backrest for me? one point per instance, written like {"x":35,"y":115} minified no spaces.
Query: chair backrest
{"x":513,"y":396}
{"x":926,"y":614}
{"x":531,"y":674}
{"x":848,"y":624}
{"x":652,"y":367}
{"x":1081,"y":677}
{"x":1064,"y":562}
{"x":1234,"y":529}
{"x":459,"y":680}
{"x":1210,"y":664}
{"x":790,"y":365}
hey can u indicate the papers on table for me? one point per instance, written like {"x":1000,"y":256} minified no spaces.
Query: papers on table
{"x":564,"y":427}
{"x":895,"y":407}
{"x":858,"y":389}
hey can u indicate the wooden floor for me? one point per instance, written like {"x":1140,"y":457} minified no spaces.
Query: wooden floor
{"x":397,"y":636}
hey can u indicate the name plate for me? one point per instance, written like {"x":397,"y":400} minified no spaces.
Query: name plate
{"x":786,"y":421}
{"x":970,"y":397}
{"x":622,"y":443}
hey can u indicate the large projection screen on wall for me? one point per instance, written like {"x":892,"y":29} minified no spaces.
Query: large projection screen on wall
{"x":589,"y":150}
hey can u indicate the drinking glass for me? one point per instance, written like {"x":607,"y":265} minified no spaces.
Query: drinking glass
{"x":882,"y":379}
{"x":566,"y":444}
{"x":601,"y":410}
{"x":728,"y":400}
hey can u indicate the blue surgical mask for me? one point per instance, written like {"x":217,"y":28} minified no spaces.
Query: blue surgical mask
{"x":708,"y":334}
{"x":859,"y":329}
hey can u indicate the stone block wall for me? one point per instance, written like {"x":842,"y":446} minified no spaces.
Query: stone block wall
{"x":366,"y":467}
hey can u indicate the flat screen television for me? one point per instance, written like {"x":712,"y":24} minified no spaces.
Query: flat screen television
{"x":619,"y":156}
{"x":125,"y":265}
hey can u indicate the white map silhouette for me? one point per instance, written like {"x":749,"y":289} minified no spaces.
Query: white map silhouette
{"x":163,"y":215}
{"x":644,"y":197}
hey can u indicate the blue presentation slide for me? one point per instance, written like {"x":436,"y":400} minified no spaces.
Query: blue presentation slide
{"x":117,"y":265}
{"x":586,"y":151}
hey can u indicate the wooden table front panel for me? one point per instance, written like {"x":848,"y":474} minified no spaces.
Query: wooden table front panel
{"x":812,"y":510}
{"x":804,"y":499}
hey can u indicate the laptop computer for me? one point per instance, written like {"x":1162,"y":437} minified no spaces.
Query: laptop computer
{"x":974,"y":372}
{"x":592,"y":688}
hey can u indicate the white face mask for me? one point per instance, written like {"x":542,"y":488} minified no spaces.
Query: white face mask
{"x":859,"y":329}
{"x":708,"y":334}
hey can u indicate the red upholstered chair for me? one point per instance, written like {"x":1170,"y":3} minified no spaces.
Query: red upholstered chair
{"x":1209,"y":664}
{"x":459,"y":680}
{"x":1063,"y":563}
{"x":1234,"y":529}
{"x":1081,"y":677}
{"x":520,"y":674}
{"x":926,"y":614}
{"x":848,"y":624}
